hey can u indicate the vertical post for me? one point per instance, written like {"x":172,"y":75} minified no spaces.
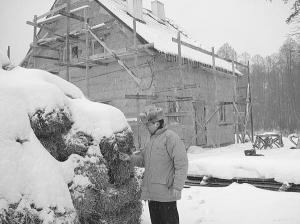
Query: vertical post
{"x":137,"y":99}
{"x":134,"y":41}
{"x":216,"y":97}
{"x":213,"y":58}
{"x":34,"y":40}
{"x":233,"y":67}
{"x":181,"y":75}
{"x":250,"y":101}
{"x":236,"y":125}
{"x":179,"y":48}
{"x":67,"y":41}
{"x":8,"y":52}
{"x":87,"y":51}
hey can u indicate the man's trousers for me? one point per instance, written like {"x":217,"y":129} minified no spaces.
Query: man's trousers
{"x":163,"y":212}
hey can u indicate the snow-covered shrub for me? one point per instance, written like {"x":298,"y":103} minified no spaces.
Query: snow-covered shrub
{"x":45,"y":124}
{"x":51,"y":167}
{"x":110,"y":148}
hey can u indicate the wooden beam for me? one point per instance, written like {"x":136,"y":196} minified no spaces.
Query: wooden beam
{"x":71,"y":15}
{"x":70,"y":65}
{"x":34,"y":39}
{"x":40,"y":26}
{"x":45,"y":57}
{"x":94,"y":62}
{"x":144,"y":97}
{"x":44,"y":47}
{"x":136,"y":79}
{"x":140,"y":47}
{"x":176,"y":114}
{"x":205,"y":51}
{"x":56,"y":17}
{"x":226,"y":124}
{"x":213,"y":58}
{"x":51,"y":12}
{"x":179,"y":48}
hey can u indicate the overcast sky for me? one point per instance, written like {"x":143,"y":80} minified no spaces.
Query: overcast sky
{"x":254,"y":26}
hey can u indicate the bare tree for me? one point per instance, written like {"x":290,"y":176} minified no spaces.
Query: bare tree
{"x":227,"y":51}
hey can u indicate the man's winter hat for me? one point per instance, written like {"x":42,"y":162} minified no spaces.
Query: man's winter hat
{"x":152,"y":114}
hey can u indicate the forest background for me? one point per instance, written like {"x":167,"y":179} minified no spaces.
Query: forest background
{"x":275,"y":86}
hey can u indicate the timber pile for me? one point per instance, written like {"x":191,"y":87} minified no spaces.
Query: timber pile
{"x":267,"y":184}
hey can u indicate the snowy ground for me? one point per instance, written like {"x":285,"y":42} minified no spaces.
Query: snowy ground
{"x":240,"y":203}
{"x":237,"y":203}
{"x":45,"y":180}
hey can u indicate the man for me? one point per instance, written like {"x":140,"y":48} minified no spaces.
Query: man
{"x":166,"y":164}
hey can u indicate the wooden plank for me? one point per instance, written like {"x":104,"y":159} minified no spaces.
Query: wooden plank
{"x":206,"y":51}
{"x":93,"y":62}
{"x":70,"y":65}
{"x":179,"y":48}
{"x":51,"y":12}
{"x":71,"y":15}
{"x":176,"y":114}
{"x":54,"y":18}
{"x":144,"y":97}
{"x":40,"y":26}
{"x":44,"y":47}
{"x":140,"y":47}
{"x":45,"y":57}
{"x":226,"y":124}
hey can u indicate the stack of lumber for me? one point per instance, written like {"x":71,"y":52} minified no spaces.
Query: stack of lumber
{"x":268,"y":184}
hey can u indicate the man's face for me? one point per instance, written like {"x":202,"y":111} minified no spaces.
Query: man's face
{"x":152,"y":127}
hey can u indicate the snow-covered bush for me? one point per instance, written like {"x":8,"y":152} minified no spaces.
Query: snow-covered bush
{"x":59,"y":154}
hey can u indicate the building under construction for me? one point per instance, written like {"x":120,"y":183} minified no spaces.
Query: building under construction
{"x":121,"y":54}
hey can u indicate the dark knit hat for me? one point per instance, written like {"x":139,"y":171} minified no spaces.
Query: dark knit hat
{"x":152,"y":114}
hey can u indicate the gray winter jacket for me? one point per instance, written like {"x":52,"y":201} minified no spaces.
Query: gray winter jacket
{"x":166,"y":164}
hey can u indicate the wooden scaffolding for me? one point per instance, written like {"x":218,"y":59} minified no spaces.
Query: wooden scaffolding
{"x":60,"y":44}
{"x":241,"y":102}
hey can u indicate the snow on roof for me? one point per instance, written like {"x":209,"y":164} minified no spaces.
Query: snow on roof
{"x":159,"y":32}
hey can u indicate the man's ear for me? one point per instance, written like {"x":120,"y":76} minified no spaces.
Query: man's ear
{"x":156,"y":124}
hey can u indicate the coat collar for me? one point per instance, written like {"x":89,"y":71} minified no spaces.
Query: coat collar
{"x":159,"y":131}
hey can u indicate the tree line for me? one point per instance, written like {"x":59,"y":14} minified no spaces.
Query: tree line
{"x":275,"y":86}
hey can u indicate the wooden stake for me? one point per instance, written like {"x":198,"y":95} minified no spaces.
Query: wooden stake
{"x":34,"y":39}
{"x":8,"y":52}
{"x":87,"y":52}
{"x":67,"y":40}
{"x":213,"y":58}
{"x":179,"y":49}
{"x":137,"y":99}
{"x":250,"y":100}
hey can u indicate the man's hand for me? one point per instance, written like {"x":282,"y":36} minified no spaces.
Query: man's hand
{"x":176,"y":193}
{"x":124,"y":157}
